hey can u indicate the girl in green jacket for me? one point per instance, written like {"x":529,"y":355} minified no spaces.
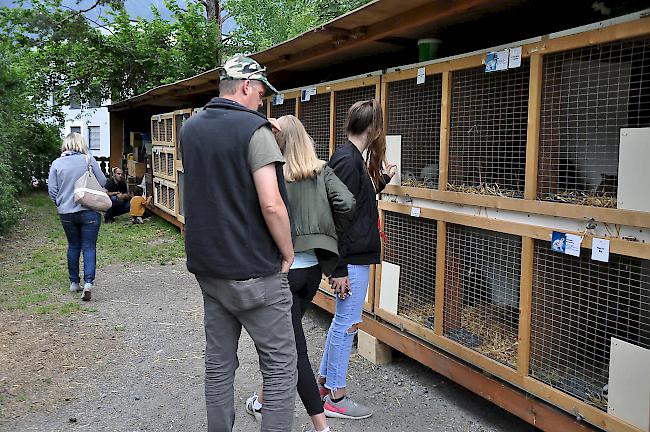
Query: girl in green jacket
{"x":321,"y":205}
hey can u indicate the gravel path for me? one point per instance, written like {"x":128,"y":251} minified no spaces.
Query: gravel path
{"x":136,"y":364}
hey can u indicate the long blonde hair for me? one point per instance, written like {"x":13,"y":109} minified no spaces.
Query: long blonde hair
{"x":296,"y":145}
{"x":74,"y":142}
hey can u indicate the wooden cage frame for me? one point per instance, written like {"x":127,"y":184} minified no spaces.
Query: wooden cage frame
{"x":168,"y":152}
{"x":157,"y":183}
{"x":159,"y":124}
{"x":535,"y":52}
{"x":518,"y":377}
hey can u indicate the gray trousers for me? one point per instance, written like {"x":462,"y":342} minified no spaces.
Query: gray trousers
{"x":263,"y":307}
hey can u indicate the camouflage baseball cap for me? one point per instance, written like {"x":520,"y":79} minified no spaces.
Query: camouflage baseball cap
{"x":240,"y":67}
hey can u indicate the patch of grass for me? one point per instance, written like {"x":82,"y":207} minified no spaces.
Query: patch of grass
{"x":22,"y":397}
{"x":45,"y":309}
{"x":34,"y":270}
{"x":119,"y":327}
{"x":69,"y":308}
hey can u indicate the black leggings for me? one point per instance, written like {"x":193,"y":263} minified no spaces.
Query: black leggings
{"x":304,"y":283}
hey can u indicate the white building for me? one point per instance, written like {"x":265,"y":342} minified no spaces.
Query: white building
{"x":92,"y":122}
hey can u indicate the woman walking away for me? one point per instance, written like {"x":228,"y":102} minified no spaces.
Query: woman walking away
{"x":80,"y":224}
{"x":320,"y":206}
{"x":358,"y":248}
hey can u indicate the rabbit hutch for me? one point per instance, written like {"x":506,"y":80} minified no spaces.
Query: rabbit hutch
{"x":516,"y":233}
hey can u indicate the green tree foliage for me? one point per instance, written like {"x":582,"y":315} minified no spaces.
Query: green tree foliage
{"x":113,"y":57}
{"x":261,"y":25}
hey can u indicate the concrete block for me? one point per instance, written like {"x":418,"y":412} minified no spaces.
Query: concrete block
{"x":373,"y":350}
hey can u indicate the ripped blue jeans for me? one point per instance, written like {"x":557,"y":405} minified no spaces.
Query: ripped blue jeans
{"x":336,"y":356}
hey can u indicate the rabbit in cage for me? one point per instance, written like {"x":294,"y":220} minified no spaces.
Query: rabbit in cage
{"x":608,"y":184}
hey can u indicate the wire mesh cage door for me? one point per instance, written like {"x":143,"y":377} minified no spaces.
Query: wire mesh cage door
{"x":482,"y":280}
{"x":180,"y":118}
{"x":578,"y":305}
{"x":588,"y":95}
{"x":155,"y":130}
{"x":414,"y":113}
{"x":315,"y":116}
{"x":287,"y":107}
{"x":343,"y":100}
{"x":411,"y":244}
{"x":487,"y":143}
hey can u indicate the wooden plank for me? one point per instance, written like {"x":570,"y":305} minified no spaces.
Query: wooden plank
{"x":611,"y":33}
{"x":525,"y":305}
{"x":298,"y":107}
{"x":384,"y":103}
{"x":445,"y":129}
{"x":618,"y":246}
{"x":371,"y":80}
{"x":571,"y":211}
{"x":441,"y":245}
{"x":436,"y":68}
{"x":532,"y":142}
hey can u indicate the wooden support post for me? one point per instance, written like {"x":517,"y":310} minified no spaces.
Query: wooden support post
{"x":532,"y":141}
{"x":525,"y":305}
{"x":445,"y":127}
{"x":298,"y":108}
{"x":116,"y":138}
{"x":384,"y":104}
{"x":441,"y":234}
{"x":332,"y":122}
{"x":373,"y":350}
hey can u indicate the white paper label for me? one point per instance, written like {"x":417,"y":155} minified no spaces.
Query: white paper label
{"x":515,"y":58}
{"x":573,"y":245}
{"x":307,"y":93}
{"x":421,"y":76}
{"x":600,"y":249}
{"x":415,"y":211}
{"x":278,"y":99}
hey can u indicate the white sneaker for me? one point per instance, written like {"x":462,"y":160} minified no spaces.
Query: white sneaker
{"x":85,"y":295}
{"x":250,"y":407}
{"x":327,"y":429}
{"x":75,"y":287}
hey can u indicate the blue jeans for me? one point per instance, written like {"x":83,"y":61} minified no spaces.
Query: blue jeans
{"x":119,"y":207}
{"x":81,"y":229}
{"x":336,"y":356}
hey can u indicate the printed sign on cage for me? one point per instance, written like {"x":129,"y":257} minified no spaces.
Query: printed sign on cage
{"x":568,"y":244}
{"x":496,"y":60}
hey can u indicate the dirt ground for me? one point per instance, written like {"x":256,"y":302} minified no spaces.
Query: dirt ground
{"x":135,"y":363}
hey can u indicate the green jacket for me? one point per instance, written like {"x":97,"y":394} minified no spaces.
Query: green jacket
{"x":320,"y":207}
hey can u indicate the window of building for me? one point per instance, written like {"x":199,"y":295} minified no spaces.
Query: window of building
{"x":74,"y":99}
{"x":75,"y":129}
{"x":93,"y":138}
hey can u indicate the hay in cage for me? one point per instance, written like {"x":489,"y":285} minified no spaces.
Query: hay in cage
{"x":485,"y":189}
{"x":421,"y":313}
{"x":585,"y":198}
{"x":496,"y":340}
{"x":426,"y":182}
